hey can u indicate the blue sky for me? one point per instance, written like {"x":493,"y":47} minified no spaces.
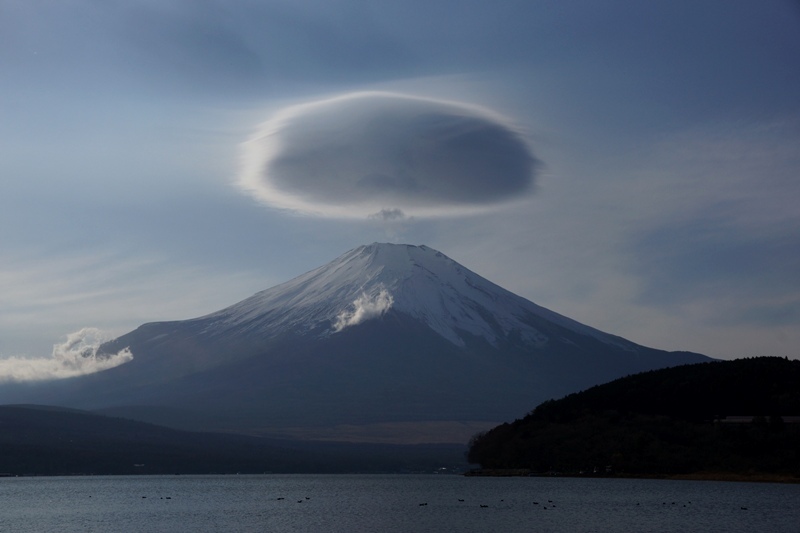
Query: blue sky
{"x":663,"y":205}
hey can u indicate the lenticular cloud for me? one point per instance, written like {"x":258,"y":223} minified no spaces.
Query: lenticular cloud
{"x":365,"y":153}
{"x":74,"y":357}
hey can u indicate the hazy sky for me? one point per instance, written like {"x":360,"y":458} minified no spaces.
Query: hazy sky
{"x":632,"y":165}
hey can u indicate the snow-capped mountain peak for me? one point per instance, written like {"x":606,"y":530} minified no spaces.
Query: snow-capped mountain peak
{"x":369,"y":281}
{"x":384,"y":334}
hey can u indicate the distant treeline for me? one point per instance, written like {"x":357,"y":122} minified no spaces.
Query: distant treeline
{"x":40,"y":440}
{"x":663,"y":422}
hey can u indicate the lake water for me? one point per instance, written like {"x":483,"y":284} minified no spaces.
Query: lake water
{"x":388,"y":503}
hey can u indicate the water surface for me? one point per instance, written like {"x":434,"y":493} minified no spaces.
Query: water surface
{"x":391,"y":503}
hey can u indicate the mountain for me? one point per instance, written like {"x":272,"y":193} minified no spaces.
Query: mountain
{"x":385,"y":343}
{"x":725,"y":417}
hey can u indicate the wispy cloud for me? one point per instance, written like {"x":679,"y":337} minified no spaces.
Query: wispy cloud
{"x":76,"y":356}
{"x":389,"y":215}
{"x":365,"y":307}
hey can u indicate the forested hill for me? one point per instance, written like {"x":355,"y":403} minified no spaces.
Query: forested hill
{"x":724,"y":416}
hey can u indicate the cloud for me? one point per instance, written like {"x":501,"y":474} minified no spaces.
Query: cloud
{"x":374,"y":152}
{"x":388,"y":215}
{"x":393,"y":222}
{"x":75,"y":357}
{"x":365,"y":307}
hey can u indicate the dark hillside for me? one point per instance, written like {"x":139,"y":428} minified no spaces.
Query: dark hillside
{"x":38,"y":440}
{"x":725,"y":416}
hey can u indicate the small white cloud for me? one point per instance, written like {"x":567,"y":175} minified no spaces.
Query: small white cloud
{"x":389,"y":215}
{"x":75,"y":357}
{"x":365,"y":307}
{"x":393,"y":222}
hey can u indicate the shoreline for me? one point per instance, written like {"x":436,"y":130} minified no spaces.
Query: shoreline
{"x":755,"y":477}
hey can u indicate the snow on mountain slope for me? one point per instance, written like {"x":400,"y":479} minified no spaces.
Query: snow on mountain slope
{"x":418,"y":281}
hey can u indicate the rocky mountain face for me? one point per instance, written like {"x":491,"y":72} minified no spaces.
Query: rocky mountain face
{"x":388,"y":342}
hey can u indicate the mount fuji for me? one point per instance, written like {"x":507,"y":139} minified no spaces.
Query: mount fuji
{"x":387,"y":343}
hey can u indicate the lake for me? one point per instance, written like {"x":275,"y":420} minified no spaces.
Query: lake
{"x":389,"y":503}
